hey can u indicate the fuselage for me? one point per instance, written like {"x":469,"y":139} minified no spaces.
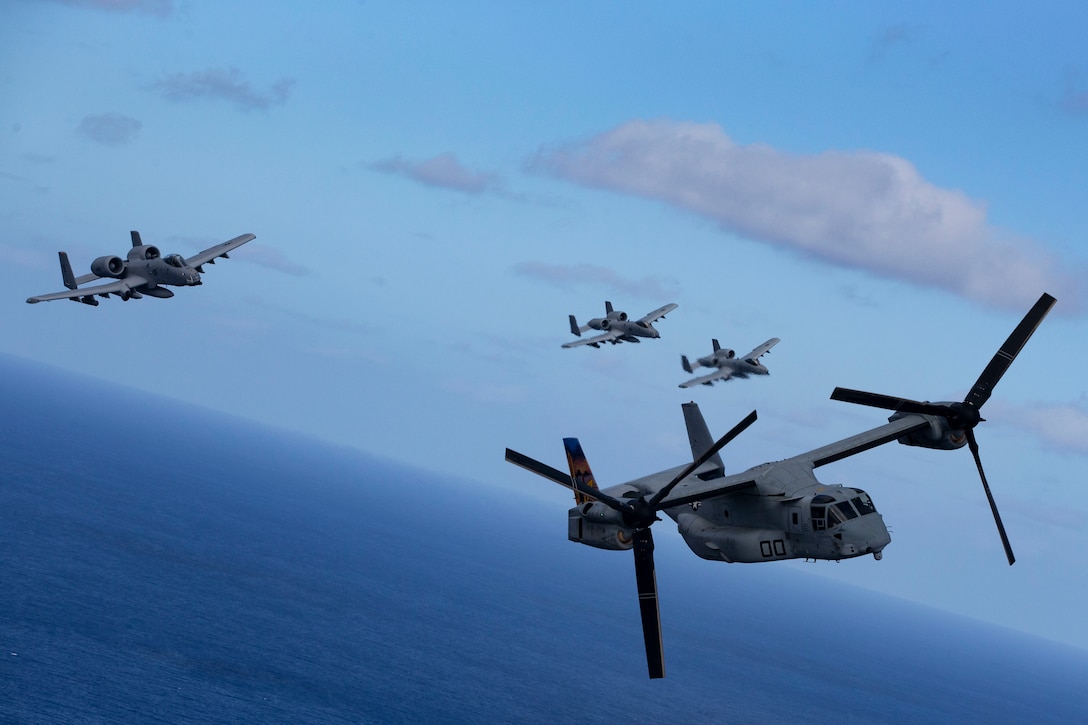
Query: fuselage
{"x":827,"y":522}
{"x":787,"y":514}
{"x":170,"y":269}
{"x":740,"y":367}
{"x":627,"y":327}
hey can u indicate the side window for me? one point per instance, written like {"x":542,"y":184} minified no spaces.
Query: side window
{"x":818,"y":521}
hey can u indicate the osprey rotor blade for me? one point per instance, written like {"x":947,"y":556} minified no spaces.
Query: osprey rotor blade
{"x":541,"y":469}
{"x":973,"y":444}
{"x":982,"y":389}
{"x":736,"y":431}
{"x":886,"y":402}
{"x":646,"y":581}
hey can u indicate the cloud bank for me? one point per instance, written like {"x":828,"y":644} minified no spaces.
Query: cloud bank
{"x":443,"y":171}
{"x":109,"y":129}
{"x":861,"y":210}
{"x":225,"y":84}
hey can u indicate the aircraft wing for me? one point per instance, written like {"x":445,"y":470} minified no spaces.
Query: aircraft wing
{"x":219,"y":250}
{"x":115,"y":287}
{"x":762,"y":349}
{"x":606,"y":337}
{"x":659,"y":313}
{"x":723,"y":373}
{"x":864,"y":441}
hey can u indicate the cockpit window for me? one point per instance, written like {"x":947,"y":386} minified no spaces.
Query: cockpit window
{"x":863,"y":503}
{"x":846,"y":509}
{"x":175,"y":260}
{"x":827,"y":513}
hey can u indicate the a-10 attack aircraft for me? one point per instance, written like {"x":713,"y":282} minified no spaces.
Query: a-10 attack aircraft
{"x":617,"y":327}
{"x":728,"y":364}
{"x":774,"y":510}
{"x":144,"y":272}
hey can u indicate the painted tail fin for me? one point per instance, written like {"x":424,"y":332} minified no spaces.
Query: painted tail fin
{"x":685,"y":364}
{"x":579,"y":468}
{"x":716,"y":345}
{"x":574,"y":326}
{"x":701,"y":440}
{"x":66,"y":271}
{"x":136,"y":239}
{"x":608,"y":307}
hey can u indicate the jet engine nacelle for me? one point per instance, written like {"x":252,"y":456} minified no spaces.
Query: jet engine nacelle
{"x":618,"y":316}
{"x":597,"y":525}
{"x":727,"y":353}
{"x":108,"y":266}
{"x":598,"y":323}
{"x":939,"y":435}
{"x":143,"y":252}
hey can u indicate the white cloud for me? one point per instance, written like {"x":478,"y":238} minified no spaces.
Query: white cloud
{"x":1075,"y":97}
{"x":161,"y":8}
{"x":1063,"y":427}
{"x":223,"y":84}
{"x":273,"y":259}
{"x":588,"y":275}
{"x":110,"y":129}
{"x":861,"y":209}
{"x":443,"y":171}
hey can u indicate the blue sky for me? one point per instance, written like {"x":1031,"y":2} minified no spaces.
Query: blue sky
{"x":435,"y":187}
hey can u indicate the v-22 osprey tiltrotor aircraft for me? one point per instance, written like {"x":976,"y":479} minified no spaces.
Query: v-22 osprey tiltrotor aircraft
{"x":774,"y":510}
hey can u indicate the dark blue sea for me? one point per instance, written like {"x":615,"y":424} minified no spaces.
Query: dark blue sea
{"x":162,"y":563}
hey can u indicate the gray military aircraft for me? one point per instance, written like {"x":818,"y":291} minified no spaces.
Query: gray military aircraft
{"x":727,"y":364}
{"x":774,"y":510}
{"x":144,"y":272}
{"x":617,"y":327}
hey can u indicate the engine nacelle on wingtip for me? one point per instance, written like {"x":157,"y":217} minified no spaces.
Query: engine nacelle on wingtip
{"x":108,"y":266}
{"x":143,"y":252}
{"x":939,"y":435}
{"x":599,"y":526}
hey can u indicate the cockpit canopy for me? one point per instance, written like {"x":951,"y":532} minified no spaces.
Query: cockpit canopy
{"x":829,"y":511}
{"x":175,"y":260}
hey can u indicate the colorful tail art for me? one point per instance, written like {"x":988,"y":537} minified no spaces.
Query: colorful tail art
{"x":579,"y":468}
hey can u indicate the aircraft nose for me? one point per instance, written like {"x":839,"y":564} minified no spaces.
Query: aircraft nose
{"x":867,"y":535}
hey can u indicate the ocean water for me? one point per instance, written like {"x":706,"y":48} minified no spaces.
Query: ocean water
{"x":161,"y":563}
